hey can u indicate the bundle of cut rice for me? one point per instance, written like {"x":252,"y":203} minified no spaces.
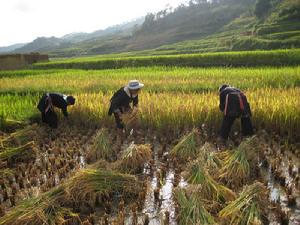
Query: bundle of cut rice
{"x":196,"y":173}
{"x":57,"y":206}
{"x":102,"y":147}
{"x":248,"y":208}
{"x":187,"y":147}
{"x":192,"y":209}
{"x":209,"y":158}
{"x":130,"y":118}
{"x":134,"y":158}
{"x":238,"y":163}
{"x":21,"y":137}
{"x":24,"y":152}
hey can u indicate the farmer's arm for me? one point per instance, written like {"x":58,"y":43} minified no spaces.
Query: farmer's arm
{"x":65,"y":111}
{"x":222,"y":101}
{"x":135,"y":101}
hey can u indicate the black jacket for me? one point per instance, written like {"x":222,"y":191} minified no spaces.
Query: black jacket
{"x":120,"y":101}
{"x":234,"y":103}
{"x":57,"y":100}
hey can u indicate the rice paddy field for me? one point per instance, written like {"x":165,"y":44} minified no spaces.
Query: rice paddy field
{"x":167,"y":168}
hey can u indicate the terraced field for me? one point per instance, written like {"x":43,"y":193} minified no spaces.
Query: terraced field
{"x":167,"y":167}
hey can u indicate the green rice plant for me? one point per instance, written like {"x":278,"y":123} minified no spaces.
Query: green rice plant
{"x":245,"y":58}
{"x":196,"y":173}
{"x":134,"y":158}
{"x":102,"y":147}
{"x":25,"y":151}
{"x":186,"y":147}
{"x":192,"y":209}
{"x":248,"y":208}
{"x":176,"y":80}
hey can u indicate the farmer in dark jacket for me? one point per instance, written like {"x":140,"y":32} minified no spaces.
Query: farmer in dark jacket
{"x":234,"y":104}
{"x":49,"y":101}
{"x":120,"y":101}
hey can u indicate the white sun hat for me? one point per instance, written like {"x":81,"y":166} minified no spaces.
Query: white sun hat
{"x":134,"y":85}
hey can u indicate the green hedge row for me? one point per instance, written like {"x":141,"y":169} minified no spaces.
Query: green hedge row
{"x":227,"y":59}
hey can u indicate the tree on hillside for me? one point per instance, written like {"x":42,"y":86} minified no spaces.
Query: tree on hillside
{"x":149,"y":20}
{"x":261,"y":8}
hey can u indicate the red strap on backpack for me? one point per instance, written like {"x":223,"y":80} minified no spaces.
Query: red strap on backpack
{"x":242,"y":107}
{"x":240,"y":96}
{"x":226,"y":105}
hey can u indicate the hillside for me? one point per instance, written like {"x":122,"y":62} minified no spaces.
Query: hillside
{"x":200,"y":26}
{"x":10,"y":48}
{"x":76,"y":42}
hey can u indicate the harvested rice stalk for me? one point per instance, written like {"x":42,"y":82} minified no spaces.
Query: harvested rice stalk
{"x":20,"y":137}
{"x":191,"y":209}
{"x":130,"y":117}
{"x":101,"y":164}
{"x":7,"y":172}
{"x":56,"y":206}
{"x":87,"y":184}
{"x":209,"y":158}
{"x":38,"y":210}
{"x":236,"y":169}
{"x":134,"y":158}
{"x":196,"y":173}
{"x":238,"y":163}
{"x":187,"y":146}
{"x":247,"y":209}
{"x":253,"y":150}
{"x":102,"y":147}
{"x":23,"y":152}
{"x":8,"y":125}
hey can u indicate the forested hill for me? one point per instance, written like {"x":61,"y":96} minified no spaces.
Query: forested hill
{"x":193,"y":21}
{"x":197,"y":26}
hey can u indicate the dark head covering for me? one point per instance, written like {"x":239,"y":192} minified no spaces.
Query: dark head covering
{"x":223,"y":87}
{"x":70,"y":100}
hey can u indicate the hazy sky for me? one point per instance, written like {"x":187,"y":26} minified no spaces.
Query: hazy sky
{"x":24,"y":20}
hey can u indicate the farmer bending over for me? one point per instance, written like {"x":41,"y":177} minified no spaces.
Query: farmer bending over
{"x":120,"y":101}
{"x":51,"y":100}
{"x":234,"y":104}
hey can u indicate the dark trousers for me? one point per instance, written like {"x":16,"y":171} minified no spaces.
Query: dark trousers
{"x":227,"y":123}
{"x":119,"y":123}
{"x":50,"y":118}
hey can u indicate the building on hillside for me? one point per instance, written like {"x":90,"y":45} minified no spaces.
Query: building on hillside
{"x":21,"y":61}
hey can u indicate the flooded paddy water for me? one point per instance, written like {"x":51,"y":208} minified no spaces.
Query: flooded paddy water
{"x":60,"y":155}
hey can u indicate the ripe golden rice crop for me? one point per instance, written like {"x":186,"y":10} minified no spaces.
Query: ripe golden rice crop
{"x":187,"y":97}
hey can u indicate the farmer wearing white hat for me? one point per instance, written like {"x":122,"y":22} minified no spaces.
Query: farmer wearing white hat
{"x":120,"y":101}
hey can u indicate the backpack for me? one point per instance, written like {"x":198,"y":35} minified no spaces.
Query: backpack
{"x":236,"y":105}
